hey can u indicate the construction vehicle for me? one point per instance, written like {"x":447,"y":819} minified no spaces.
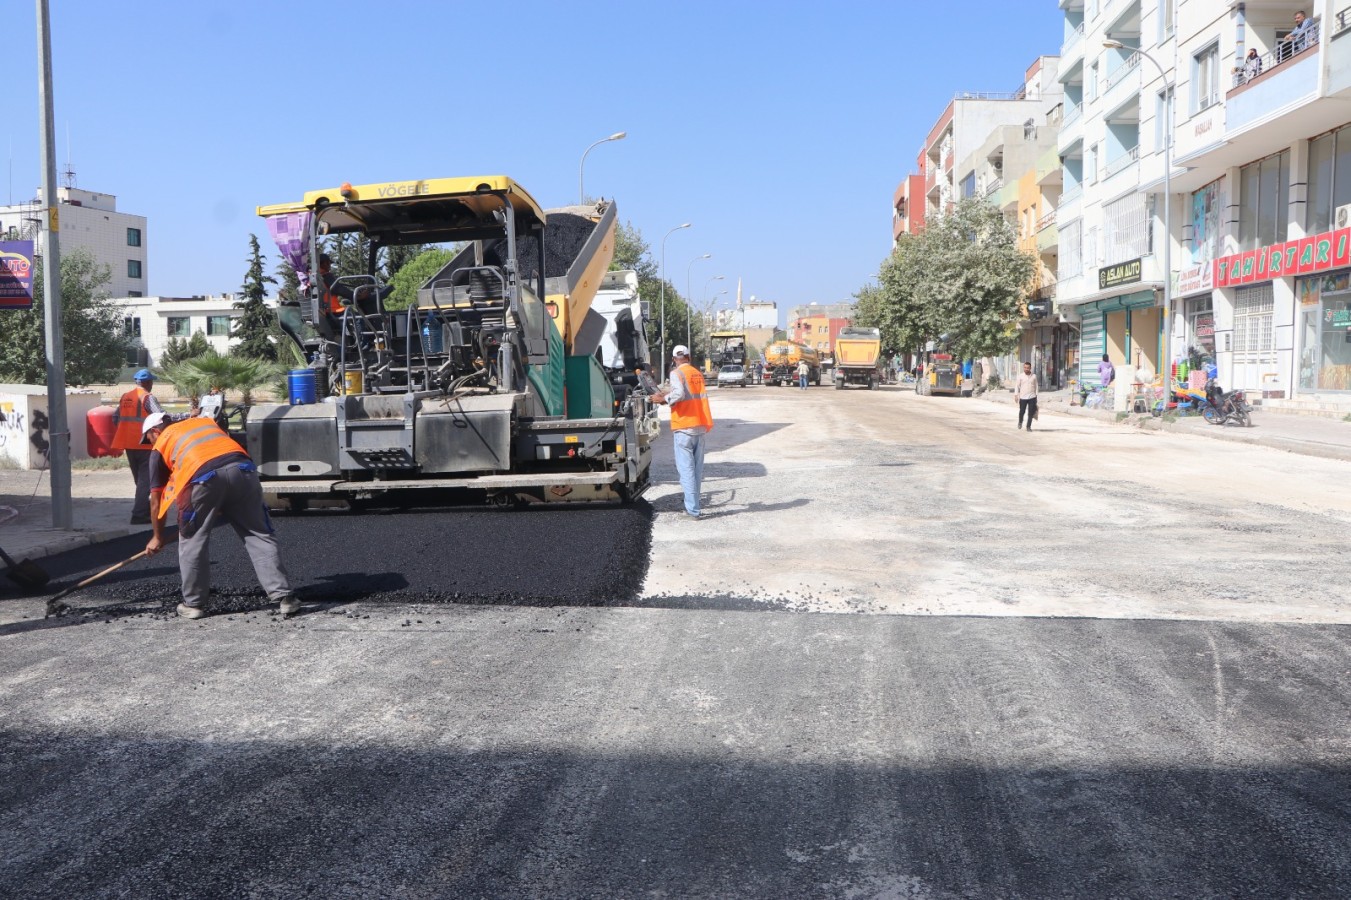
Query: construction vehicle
{"x":489,"y":383}
{"x":728,"y":348}
{"x":942,"y":375}
{"x":623,"y":342}
{"x":781,"y":361}
{"x":857,"y":352}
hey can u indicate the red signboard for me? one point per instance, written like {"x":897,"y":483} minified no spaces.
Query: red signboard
{"x":1304,"y":256}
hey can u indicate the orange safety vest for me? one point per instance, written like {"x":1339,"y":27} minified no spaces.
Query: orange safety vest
{"x":187,"y":446}
{"x":131,"y":413}
{"x":693,"y":411}
{"x":332,"y":302}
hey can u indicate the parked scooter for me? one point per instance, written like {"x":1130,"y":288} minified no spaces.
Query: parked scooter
{"x":1224,"y":408}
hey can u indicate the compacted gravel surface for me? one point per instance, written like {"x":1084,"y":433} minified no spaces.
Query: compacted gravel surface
{"x":863,"y":675}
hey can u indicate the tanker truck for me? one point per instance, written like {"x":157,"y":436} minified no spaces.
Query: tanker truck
{"x":781,"y":361}
{"x":489,"y":384}
{"x":857,"y":351}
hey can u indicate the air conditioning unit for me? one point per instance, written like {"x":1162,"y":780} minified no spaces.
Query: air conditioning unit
{"x":1343,"y":217}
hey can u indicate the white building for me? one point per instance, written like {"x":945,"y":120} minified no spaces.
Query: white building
{"x":89,"y":221}
{"x":149,"y":322}
{"x":1261,"y":169}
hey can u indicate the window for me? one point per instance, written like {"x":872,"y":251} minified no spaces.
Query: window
{"x":1162,"y":101}
{"x":135,"y":294}
{"x":1329,"y":179}
{"x":1091,"y":248}
{"x":1264,"y":198}
{"x":1206,"y":78}
{"x":1126,"y":228}
{"x":1165,"y":20}
{"x":969,"y":185}
{"x":133,"y":268}
{"x":131,"y":327}
{"x":217,"y":326}
{"x":1091,"y":88}
{"x":1071,"y":249}
{"x":179,"y":326}
{"x":133,"y":237}
{"x":1091,"y":165}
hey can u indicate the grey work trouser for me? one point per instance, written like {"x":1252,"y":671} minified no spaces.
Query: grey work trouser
{"x":235,"y":496}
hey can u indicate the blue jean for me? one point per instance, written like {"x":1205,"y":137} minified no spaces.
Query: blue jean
{"x":802,"y":382}
{"x":689,"y":460}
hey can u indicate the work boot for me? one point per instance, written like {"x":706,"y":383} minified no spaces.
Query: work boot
{"x":289,"y":605}
{"x":191,"y":612}
{"x":140,"y":520}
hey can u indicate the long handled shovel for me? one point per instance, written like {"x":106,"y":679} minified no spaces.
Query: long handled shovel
{"x":55,"y":607}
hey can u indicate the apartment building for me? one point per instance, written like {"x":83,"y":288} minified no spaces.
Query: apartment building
{"x":149,"y":322}
{"x":1260,"y":170}
{"x":817,"y":325}
{"x":89,"y":221}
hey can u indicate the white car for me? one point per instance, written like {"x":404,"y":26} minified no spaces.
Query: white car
{"x":732,"y":376}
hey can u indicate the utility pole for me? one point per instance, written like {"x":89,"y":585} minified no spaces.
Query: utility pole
{"x":58,"y":454}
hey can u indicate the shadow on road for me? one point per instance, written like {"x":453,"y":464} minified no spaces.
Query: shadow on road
{"x":91,"y":815}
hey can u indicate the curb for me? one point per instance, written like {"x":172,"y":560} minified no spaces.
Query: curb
{"x":1251,"y":436}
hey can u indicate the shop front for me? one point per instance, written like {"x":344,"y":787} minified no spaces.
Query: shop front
{"x":1124,"y":328}
{"x":1325,"y":331}
{"x":1317,"y":267}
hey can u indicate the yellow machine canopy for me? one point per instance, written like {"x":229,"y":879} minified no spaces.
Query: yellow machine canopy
{"x":431,"y":211}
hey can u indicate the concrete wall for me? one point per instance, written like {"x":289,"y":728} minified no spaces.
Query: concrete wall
{"x":25,"y":429}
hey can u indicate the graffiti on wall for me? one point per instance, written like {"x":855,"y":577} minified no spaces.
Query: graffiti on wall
{"x":12,"y":428}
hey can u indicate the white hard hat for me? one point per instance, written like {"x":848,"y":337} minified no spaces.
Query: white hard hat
{"x":154,"y":420}
{"x":679,"y":350}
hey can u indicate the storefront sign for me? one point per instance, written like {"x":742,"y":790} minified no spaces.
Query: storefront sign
{"x":1119,"y":274}
{"x":1305,"y":256}
{"x":1195,"y":279}
{"x":16,"y":274}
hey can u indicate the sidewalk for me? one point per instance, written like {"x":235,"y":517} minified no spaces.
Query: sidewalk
{"x":100,"y":502}
{"x":1305,"y":435}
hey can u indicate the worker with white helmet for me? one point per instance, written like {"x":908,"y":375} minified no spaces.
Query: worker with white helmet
{"x":691,"y":420}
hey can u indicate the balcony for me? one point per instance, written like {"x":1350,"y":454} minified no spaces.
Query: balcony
{"x":992,"y":187}
{"x":1123,"y":161}
{"x":1048,"y":237}
{"x":1287,"y":51}
{"x":1122,"y":81}
{"x":1046,"y":221}
{"x":1070,"y":195}
{"x":1291,"y":83}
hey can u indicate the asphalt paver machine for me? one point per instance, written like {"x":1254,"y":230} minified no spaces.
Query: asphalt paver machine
{"x":489,"y":382}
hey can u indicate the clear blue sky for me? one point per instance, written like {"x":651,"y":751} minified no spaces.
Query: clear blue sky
{"x":779,"y":130}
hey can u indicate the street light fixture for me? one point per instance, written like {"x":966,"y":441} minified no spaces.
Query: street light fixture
{"x":689,"y":295}
{"x":1165,"y":364}
{"x":581,"y":193}
{"x":661,"y":325}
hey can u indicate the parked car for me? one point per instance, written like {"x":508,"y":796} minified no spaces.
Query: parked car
{"x":732,"y":376}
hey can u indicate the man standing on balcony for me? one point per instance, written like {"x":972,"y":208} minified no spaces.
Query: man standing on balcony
{"x":1298,"y":39}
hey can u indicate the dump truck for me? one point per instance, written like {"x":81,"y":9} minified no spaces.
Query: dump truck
{"x":942,"y":375}
{"x":781,"y":361}
{"x":857,"y":353}
{"x":489,"y":383}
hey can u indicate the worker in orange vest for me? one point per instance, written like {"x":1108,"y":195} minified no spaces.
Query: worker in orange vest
{"x":691,"y":420}
{"x":132,"y":410}
{"x":198,"y":466}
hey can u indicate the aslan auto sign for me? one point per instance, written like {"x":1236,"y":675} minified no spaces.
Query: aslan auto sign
{"x":1122,"y":273}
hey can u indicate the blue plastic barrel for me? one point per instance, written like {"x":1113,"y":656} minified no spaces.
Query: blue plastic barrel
{"x":300,"y":385}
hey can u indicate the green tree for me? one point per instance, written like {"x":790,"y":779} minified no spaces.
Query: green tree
{"x":398,"y":256}
{"x":962,"y":279}
{"x":255,"y":325}
{"x":178,"y":349}
{"x":93,"y":339}
{"x":413,"y":274}
{"x":289,"y":281}
{"x":632,"y":252}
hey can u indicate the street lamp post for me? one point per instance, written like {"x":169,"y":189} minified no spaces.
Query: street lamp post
{"x":689,"y":296}
{"x":705,"y":300}
{"x":1166,"y":361}
{"x":581,"y":193}
{"x":661,"y":324}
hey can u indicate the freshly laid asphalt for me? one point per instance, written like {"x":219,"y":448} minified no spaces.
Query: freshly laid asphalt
{"x":486,"y":703}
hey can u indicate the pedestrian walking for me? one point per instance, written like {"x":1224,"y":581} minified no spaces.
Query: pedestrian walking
{"x":201,"y":468}
{"x":803,"y":370}
{"x":1106,"y":371}
{"x":1025,"y":389}
{"x":691,"y":420}
{"x":1026,"y":392}
{"x":132,"y":410}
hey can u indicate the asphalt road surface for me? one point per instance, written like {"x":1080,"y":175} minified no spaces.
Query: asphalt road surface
{"x":911,"y":653}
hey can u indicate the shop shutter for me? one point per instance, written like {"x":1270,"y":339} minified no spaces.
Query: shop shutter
{"x":1092,"y":340}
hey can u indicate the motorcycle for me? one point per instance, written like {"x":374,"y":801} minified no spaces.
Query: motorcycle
{"x":1222,"y":408}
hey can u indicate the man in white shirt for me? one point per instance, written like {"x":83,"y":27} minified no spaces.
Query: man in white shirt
{"x":1025,"y":389}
